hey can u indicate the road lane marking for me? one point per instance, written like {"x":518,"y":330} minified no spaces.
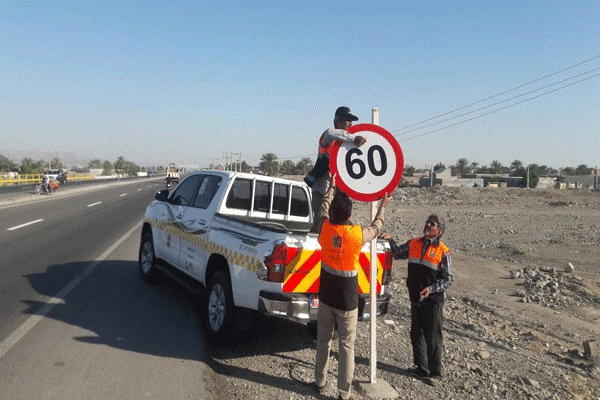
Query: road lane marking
{"x":26,"y":224}
{"x":94,"y":204}
{"x":139,"y":189}
{"x":32,"y":321}
{"x":124,"y":194}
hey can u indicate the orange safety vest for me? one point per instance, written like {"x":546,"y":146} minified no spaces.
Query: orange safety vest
{"x":432,"y":257}
{"x":325,"y":149}
{"x":340,"y":248}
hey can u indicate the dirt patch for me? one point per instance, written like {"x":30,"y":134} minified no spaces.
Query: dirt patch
{"x":516,"y":315}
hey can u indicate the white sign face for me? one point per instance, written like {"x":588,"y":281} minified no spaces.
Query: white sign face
{"x":368,"y":172}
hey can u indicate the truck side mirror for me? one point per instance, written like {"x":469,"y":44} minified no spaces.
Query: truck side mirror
{"x":162,"y":195}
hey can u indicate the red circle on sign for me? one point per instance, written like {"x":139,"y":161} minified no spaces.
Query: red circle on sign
{"x":397,"y":176}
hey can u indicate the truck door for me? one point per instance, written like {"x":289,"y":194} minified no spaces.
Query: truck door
{"x":177,"y":206}
{"x":194,"y":244}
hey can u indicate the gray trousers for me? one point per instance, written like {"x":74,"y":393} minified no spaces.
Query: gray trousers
{"x":317,"y":199}
{"x":346,"y":323}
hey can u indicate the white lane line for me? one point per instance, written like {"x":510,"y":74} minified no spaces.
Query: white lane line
{"x":22,"y":225}
{"x":22,"y":330}
{"x":139,"y":189}
{"x":94,"y":204}
{"x":124,"y":194}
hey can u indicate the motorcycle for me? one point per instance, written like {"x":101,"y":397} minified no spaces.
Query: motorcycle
{"x":46,"y":188}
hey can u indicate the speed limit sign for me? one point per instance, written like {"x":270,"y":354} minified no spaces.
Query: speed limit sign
{"x":368,"y":172}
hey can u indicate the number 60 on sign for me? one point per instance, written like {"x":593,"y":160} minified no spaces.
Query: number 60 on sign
{"x":368,"y":172}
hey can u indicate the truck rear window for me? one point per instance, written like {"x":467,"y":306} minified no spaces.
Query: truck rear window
{"x":299,"y":202}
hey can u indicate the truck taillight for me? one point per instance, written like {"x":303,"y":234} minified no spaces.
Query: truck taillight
{"x":276,"y":263}
{"x":387,"y":267}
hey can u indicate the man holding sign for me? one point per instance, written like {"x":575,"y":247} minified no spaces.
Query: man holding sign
{"x":319,"y":177}
{"x":341,"y":243}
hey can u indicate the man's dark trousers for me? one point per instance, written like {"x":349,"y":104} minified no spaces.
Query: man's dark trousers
{"x":426,"y":336}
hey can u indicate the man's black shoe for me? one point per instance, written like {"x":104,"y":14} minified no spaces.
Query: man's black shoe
{"x":436,"y":376}
{"x":418,"y":371}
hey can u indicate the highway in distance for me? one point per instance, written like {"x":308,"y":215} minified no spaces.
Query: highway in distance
{"x":76,"y":322}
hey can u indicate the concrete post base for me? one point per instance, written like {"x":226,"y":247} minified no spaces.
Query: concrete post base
{"x":378,"y":390}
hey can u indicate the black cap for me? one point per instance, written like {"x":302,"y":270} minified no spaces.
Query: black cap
{"x":346,"y":111}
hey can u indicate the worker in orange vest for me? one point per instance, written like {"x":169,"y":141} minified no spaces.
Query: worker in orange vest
{"x":341,"y":243}
{"x":319,"y":177}
{"x":429,"y":275}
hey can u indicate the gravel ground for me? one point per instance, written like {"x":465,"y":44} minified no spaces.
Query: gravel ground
{"x":526,"y":296}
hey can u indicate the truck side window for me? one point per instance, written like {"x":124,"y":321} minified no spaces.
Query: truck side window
{"x":185,"y":191}
{"x":240,"y":195}
{"x":207,"y":190}
{"x":299,"y":202}
{"x":280,"y":199}
{"x":262,"y":196}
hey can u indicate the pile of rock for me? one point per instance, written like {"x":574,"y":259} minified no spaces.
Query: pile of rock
{"x":551,"y":288}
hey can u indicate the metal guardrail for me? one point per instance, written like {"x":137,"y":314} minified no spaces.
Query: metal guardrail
{"x":27,"y":179}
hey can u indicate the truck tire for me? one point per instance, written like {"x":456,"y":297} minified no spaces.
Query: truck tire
{"x":147,"y":260}
{"x":219,"y":309}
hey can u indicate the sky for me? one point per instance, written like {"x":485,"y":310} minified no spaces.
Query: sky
{"x":193,"y":82}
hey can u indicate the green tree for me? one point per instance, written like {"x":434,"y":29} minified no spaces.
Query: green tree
{"x":95,"y":164}
{"x":107,"y":168}
{"x":409,"y":170}
{"x":582,"y":170}
{"x":567,"y":171}
{"x":56,"y":163}
{"x":304,"y":166}
{"x":531,"y":176}
{"x":287,"y":167}
{"x":439,"y":166}
{"x":474,"y":167}
{"x":496,"y":167}
{"x":269,"y":164}
{"x":7,"y":165}
{"x":515,"y":166}
{"x":461,"y":167}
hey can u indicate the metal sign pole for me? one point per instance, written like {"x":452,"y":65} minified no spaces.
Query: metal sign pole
{"x":373,"y":363}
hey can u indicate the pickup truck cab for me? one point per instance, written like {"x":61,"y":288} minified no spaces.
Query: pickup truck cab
{"x":242,"y":241}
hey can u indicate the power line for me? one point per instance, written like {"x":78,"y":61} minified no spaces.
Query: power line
{"x":499,"y":109}
{"x":488,"y":98}
{"x":499,"y":94}
{"x":500,"y":102}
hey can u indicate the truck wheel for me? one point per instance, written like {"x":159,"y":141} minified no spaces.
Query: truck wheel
{"x":218,"y":309}
{"x":147,"y":260}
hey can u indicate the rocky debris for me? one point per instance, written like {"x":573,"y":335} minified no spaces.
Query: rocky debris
{"x":516,"y":318}
{"x":549,"y":288}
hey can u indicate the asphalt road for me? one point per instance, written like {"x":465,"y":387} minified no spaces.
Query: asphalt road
{"x":75,"y":320}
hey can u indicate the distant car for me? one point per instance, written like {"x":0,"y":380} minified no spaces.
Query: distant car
{"x":52,"y":173}
{"x":150,"y":174}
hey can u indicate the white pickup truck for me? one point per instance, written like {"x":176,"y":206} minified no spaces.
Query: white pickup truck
{"x":242,"y":241}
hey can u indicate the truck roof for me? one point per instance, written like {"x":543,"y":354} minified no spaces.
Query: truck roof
{"x":232,"y":174}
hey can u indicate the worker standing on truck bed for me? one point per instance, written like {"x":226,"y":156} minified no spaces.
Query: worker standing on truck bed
{"x":319,"y":178}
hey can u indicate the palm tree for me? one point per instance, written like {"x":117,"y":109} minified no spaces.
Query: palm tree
{"x":474,"y":166}
{"x":269,"y":164}
{"x":516,"y":165}
{"x":287,"y":167}
{"x":304,"y":166}
{"x":461,"y":166}
{"x":496,"y":167}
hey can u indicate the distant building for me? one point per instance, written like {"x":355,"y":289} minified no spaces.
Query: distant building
{"x":580,"y":181}
{"x":443,"y":177}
